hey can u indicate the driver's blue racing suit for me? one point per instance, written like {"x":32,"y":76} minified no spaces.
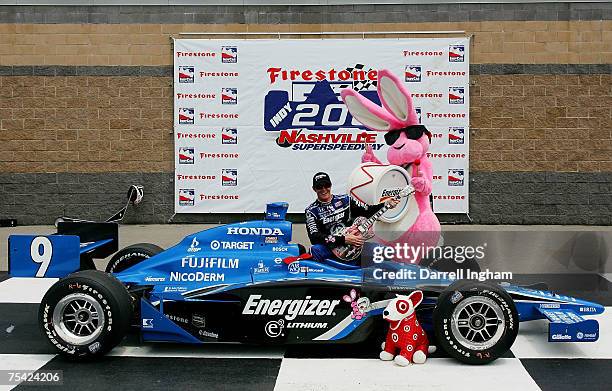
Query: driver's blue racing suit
{"x":324,"y":221}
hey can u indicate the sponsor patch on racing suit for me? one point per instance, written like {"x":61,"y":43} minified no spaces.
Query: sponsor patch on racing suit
{"x":323,"y":219}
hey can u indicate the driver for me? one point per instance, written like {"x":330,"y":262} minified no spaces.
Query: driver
{"x":331,"y":213}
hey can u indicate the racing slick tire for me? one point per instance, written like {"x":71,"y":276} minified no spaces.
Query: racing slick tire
{"x":475,"y":322}
{"x":132,"y":255}
{"x":85,"y":314}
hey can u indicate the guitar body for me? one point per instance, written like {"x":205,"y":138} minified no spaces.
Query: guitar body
{"x":349,"y":252}
{"x":362,"y":227}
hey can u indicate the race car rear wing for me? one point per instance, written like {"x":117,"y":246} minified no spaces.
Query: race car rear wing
{"x":74,"y":246}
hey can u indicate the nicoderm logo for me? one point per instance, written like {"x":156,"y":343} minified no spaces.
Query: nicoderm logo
{"x":229,"y":136}
{"x":186,"y":74}
{"x":229,"y":54}
{"x":456,"y":176}
{"x":186,"y":197}
{"x":229,"y":96}
{"x":412,"y":73}
{"x":186,"y":115}
{"x":456,"y":53}
{"x":456,"y":135}
{"x":186,"y":155}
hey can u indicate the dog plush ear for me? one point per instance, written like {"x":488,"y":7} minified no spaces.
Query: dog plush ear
{"x":416,"y":298}
{"x":396,"y":98}
{"x":367,"y":112}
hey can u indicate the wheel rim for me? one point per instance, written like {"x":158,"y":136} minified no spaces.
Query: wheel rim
{"x":478,"y":323}
{"x":78,"y":319}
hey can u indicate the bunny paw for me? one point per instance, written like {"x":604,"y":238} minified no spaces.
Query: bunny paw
{"x":401,"y":361}
{"x":386,"y":356}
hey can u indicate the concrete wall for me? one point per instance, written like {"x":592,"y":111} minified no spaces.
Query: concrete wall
{"x":86,"y":103}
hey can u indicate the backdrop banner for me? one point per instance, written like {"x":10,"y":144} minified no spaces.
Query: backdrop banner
{"x":255,"y":119}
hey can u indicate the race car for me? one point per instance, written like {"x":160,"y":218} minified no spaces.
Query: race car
{"x":247,"y":282}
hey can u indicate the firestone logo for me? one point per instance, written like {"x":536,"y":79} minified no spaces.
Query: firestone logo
{"x":322,"y":74}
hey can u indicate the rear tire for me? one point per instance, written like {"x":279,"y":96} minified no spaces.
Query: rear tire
{"x":132,"y":255}
{"x":475,"y":322}
{"x":86,"y":314}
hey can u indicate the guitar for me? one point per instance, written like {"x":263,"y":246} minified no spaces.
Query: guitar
{"x":362,"y":226}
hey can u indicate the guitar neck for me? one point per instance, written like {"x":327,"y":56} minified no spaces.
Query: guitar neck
{"x":369,"y":222}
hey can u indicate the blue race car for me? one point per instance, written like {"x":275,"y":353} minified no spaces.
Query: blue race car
{"x":246,"y":282}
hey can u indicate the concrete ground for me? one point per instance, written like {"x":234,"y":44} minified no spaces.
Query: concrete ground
{"x":518,"y":249}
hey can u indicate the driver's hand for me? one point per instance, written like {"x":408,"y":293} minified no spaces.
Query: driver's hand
{"x":354,"y":240}
{"x":392,"y":202}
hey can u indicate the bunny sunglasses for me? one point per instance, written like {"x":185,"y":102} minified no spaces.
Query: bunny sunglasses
{"x":413,"y":132}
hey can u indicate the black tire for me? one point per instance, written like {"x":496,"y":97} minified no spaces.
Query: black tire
{"x":132,"y":255}
{"x":101,"y":293}
{"x":456,"y":302}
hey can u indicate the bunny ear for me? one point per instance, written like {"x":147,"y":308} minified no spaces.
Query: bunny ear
{"x":346,"y":298}
{"x":367,"y":112}
{"x":396,"y":98}
{"x":416,"y":298}
{"x":353,"y":293}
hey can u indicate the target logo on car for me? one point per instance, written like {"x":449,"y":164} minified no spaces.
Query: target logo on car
{"x":229,"y":177}
{"x":229,"y":54}
{"x":186,"y":115}
{"x":186,"y":197}
{"x":456,"y":135}
{"x":186,"y":74}
{"x":456,"y":53}
{"x":456,"y":176}
{"x":412,"y":73}
{"x":456,"y":95}
{"x":229,"y":96}
{"x":186,"y":155}
{"x":229,"y":136}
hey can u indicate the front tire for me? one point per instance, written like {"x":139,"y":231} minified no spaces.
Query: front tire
{"x":475,"y":322}
{"x":86,"y":314}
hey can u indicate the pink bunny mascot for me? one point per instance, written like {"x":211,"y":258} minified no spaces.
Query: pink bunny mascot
{"x":409,"y":143}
